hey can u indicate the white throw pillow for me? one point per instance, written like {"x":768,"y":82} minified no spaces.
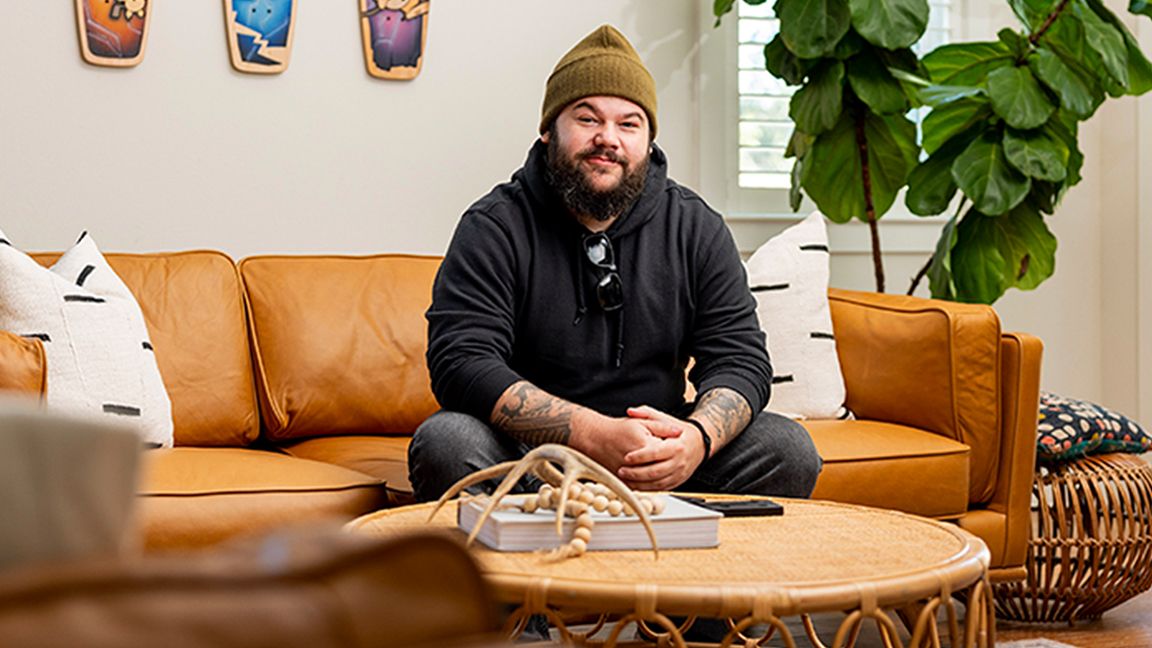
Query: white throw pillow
{"x":788,"y":276}
{"x":100,"y":359}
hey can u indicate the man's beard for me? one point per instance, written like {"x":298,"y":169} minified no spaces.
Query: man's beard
{"x":578,"y":194}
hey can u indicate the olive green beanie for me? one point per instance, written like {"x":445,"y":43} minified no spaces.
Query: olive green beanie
{"x":604,"y":63}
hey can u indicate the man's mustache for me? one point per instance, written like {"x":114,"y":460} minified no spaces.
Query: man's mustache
{"x":607,"y":154}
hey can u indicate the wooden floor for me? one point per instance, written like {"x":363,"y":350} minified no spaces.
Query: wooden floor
{"x":1126,"y":626}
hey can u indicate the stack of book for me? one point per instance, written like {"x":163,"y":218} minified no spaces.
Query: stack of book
{"x":681,"y":525}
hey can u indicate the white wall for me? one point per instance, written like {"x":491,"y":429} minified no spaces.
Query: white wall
{"x":183,"y":152}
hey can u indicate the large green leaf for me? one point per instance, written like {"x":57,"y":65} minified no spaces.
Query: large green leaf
{"x":1068,"y":38}
{"x":940,"y":271}
{"x":891,"y":24}
{"x":1037,"y":244}
{"x":966,"y":64}
{"x":1078,"y":95}
{"x":875,"y":85}
{"x":1065,"y":127}
{"x":811,"y":28}
{"x":984,"y":175}
{"x":951,"y":119}
{"x":833,"y":174}
{"x":931,"y":185}
{"x":980,"y":270}
{"x":1139,"y":68}
{"x":1106,"y":41}
{"x":817,"y":106}
{"x":783,"y":64}
{"x":993,"y":254}
{"x":1018,"y":98}
{"x":1037,"y":154}
{"x":892,"y":152}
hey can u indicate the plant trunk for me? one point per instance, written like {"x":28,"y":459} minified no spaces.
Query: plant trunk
{"x":920,"y":275}
{"x":869,"y":208}
{"x":1035,"y":37}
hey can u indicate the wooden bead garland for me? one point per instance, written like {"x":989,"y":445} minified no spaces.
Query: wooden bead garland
{"x":583,"y":497}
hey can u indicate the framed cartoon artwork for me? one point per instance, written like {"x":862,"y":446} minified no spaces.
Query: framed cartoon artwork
{"x":113,"y":32}
{"x":260,"y":34}
{"x":394,"y":33}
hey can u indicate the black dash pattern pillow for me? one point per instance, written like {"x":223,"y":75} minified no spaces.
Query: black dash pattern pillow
{"x":788,"y":276}
{"x":1071,"y":428}
{"x":100,"y":360}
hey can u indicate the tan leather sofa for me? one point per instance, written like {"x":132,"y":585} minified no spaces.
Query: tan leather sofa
{"x":296,"y":382}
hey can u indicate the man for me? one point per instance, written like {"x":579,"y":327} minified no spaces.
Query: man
{"x":572,"y":298}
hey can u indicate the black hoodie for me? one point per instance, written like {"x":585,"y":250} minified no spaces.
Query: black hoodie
{"x":515,"y":300}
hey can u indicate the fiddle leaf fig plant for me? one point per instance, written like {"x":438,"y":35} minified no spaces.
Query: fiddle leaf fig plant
{"x":853,"y":143}
{"x":1002,"y":131}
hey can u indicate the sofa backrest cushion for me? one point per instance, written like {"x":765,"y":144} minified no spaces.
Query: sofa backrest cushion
{"x":927,"y":364}
{"x":194,"y":311}
{"x":339,"y":343}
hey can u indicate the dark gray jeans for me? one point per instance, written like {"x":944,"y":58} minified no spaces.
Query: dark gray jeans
{"x":773,"y":456}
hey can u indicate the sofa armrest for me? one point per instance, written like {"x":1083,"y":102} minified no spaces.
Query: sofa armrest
{"x":1019,"y":402}
{"x":929,"y":364}
{"x":22,"y":365}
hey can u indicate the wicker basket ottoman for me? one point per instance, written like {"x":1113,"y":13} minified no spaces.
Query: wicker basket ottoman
{"x":1091,"y":546}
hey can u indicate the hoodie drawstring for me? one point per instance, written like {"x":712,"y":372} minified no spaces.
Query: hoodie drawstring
{"x":578,"y":269}
{"x":619,"y":337}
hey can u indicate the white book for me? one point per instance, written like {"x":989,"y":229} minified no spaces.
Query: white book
{"x":680,"y":526}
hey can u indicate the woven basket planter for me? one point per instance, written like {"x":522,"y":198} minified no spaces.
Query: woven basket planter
{"x":1091,"y":546}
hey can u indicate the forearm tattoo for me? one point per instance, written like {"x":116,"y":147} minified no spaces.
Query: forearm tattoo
{"x":533,"y":416}
{"x":725,"y":412}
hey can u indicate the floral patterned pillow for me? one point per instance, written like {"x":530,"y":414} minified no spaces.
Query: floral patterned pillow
{"x":1070,"y":428}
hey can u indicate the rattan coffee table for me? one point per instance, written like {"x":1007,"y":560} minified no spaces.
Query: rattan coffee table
{"x":818,"y":557}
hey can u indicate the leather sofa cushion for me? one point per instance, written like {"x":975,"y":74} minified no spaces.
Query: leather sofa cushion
{"x":926,"y":364}
{"x":194,"y":497}
{"x":891,"y":466}
{"x":194,"y":310}
{"x":339,"y":343}
{"x":385,"y":458}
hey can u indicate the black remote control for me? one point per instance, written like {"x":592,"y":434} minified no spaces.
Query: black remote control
{"x":739,"y":508}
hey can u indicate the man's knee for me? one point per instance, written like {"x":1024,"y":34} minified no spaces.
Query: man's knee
{"x":446,"y":447}
{"x":444,"y":435}
{"x":796,"y":464}
{"x":804,"y":463}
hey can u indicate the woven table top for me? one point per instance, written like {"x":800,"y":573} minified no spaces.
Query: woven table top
{"x":818,"y":556}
